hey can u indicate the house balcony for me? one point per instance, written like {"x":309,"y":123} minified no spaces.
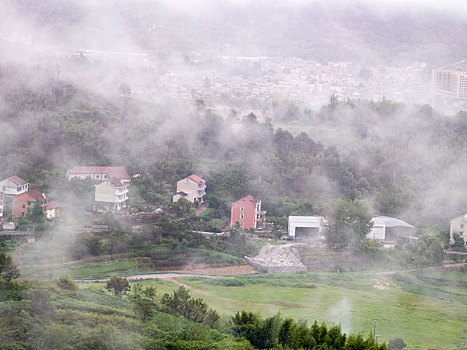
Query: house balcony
{"x":120,"y":199}
{"x":15,"y":191}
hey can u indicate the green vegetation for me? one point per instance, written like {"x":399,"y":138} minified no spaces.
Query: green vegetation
{"x":424,"y":309}
{"x":57,"y":314}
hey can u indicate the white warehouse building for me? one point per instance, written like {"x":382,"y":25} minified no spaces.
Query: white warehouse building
{"x":388,"y":230}
{"x":308,"y":228}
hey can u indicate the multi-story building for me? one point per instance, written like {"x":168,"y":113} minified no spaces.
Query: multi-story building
{"x":192,"y":188}
{"x":247,"y":212}
{"x":14,"y":186}
{"x":111,"y":190}
{"x":449,"y":82}
{"x":111,"y":195}
{"x":98,"y":173}
{"x":23,"y":205}
{"x":459,"y":226}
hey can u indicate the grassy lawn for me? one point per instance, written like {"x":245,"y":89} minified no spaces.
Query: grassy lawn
{"x":409,"y":310}
{"x":95,"y":270}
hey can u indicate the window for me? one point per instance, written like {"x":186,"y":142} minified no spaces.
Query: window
{"x":24,"y":206}
{"x":242,"y":209}
{"x":462,"y":225}
{"x":22,"y":214}
{"x":241,"y":216}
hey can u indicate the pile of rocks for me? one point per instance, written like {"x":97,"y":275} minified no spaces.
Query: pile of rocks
{"x":277,"y":258}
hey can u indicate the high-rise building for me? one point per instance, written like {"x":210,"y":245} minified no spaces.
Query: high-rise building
{"x":449,"y":82}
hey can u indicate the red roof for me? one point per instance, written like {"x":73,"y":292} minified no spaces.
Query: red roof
{"x":118,"y":172}
{"x":17,"y":180}
{"x":53,"y":205}
{"x":33,"y":195}
{"x":250,"y":199}
{"x":195,"y":178}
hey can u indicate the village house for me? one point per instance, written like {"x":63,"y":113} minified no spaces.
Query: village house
{"x":98,"y":173}
{"x":458,"y":225}
{"x":13,"y":186}
{"x":54,"y":210}
{"x":247,"y":212}
{"x":24,"y":204}
{"x":389,"y":230}
{"x":111,"y":195}
{"x":111,"y":189}
{"x":192,"y":188}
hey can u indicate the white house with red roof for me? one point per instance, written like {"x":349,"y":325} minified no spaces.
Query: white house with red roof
{"x":111,"y":195}
{"x":111,"y":190}
{"x":14,"y":186}
{"x":98,"y":173}
{"x":192,"y":188}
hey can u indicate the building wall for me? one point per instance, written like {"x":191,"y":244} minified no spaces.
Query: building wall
{"x":191,"y":188}
{"x":20,"y":207}
{"x":459,"y":225}
{"x":305,"y":221}
{"x":9,"y":188}
{"x":53,"y":213}
{"x":97,"y":177}
{"x":246,"y":217}
{"x":105,"y":192}
{"x":450,"y":82}
{"x":377,"y":232}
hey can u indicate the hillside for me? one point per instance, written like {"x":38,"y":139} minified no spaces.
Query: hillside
{"x":319,"y":30}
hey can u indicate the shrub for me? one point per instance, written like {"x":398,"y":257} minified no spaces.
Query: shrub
{"x":67,"y":283}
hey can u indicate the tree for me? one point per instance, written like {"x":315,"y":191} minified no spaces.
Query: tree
{"x":144,"y":301}
{"x":458,"y":241}
{"x":118,"y":285}
{"x":349,"y":223}
{"x":8,"y":270}
{"x":37,"y":215}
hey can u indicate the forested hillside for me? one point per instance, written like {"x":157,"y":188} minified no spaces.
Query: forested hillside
{"x":323,"y":30}
{"x":404,"y":161}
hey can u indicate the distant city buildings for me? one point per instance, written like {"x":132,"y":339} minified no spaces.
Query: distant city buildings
{"x":449,"y":82}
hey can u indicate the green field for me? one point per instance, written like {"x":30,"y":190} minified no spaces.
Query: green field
{"x":92,"y":270}
{"x":424,"y":313}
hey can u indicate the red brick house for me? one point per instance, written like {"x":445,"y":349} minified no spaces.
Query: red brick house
{"x":247,"y":212}
{"x":23,"y":205}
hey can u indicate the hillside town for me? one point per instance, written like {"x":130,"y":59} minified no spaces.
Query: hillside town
{"x":112,"y":189}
